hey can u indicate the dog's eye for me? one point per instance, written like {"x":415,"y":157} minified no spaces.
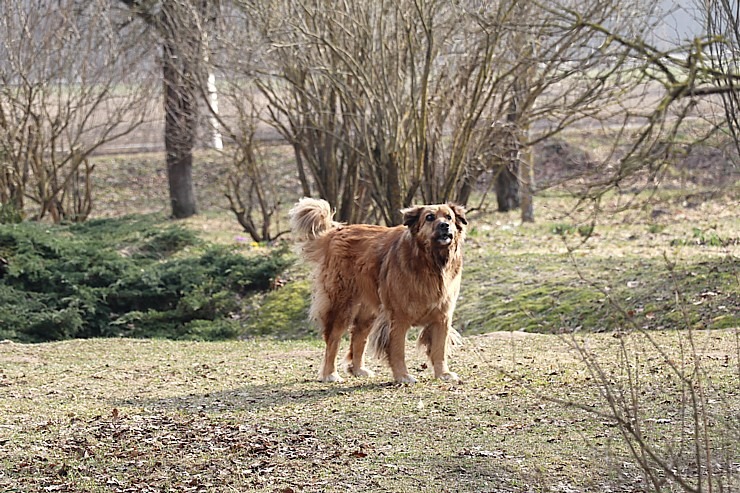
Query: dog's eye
{"x":430,"y":217}
{"x":448,"y":217}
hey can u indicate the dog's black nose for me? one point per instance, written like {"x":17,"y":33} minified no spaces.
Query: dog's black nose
{"x":444,"y":227}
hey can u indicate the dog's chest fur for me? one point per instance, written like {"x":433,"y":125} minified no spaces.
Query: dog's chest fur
{"x":417,"y":283}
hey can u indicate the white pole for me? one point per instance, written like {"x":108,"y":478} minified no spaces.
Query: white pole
{"x":216,"y":140}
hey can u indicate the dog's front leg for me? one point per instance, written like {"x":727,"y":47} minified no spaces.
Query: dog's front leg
{"x":328,"y":372}
{"x":438,"y":338}
{"x":397,"y":355}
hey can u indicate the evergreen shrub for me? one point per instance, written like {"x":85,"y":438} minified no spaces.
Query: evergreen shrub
{"x":124,"y":277}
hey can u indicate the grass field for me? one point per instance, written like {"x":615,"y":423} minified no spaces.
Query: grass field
{"x":573,"y":353}
{"x":128,"y":415}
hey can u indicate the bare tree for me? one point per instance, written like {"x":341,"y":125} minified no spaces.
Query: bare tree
{"x":181,"y":27}
{"x":554,"y":71}
{"x":362,"y":92}
{"x":386,"y":103}
{"x":666,"y":89}
{"x":307,"y":108}
{"x":722,"y":20}
{"x":396,"y":100}
{"x":254,"y":186}
{"x":66,"y":88}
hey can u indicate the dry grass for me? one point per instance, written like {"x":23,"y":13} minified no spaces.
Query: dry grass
{"x":129,"y":415}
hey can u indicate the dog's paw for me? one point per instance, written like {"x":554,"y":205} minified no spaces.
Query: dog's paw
{"x":332,"y":377}
{"x":405,"y":379}
{"x":361,"y":372}
{"x":449,"y":376}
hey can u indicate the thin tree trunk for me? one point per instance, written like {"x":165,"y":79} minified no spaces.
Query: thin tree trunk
{"x":394,"y":192}
{"x":507,"y":180}
{"x":526,"y":181}
{"x":217,"y":141}
{"x":466,"y":189}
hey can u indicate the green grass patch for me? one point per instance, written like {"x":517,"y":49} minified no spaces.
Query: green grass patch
{"x":281,"y":313}
{"x":703,"y":237}
{"x":558,"y":293}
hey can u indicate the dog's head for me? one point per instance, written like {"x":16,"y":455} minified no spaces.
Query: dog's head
{"x":442,"y":225}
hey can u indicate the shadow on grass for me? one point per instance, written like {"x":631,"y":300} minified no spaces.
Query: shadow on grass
{"x":258,"y":396}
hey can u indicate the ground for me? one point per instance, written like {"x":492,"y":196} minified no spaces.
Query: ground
{"x":132,"y":415}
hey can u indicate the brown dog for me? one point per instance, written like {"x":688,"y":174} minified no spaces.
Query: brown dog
{"x":379,"y":282}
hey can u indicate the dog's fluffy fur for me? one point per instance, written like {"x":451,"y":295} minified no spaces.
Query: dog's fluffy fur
{"x":378,"y":282}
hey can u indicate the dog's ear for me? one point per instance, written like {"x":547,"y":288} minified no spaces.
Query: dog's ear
{"x":459,"y":213}
{"x":411,"y":216}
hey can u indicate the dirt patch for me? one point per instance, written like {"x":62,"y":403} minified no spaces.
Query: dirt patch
{"x":558,"y":161}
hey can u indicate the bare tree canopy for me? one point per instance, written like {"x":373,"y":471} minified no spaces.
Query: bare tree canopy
{"x":723,"y":26}
{"x":383,"y":103}
{"x":386,"y":103}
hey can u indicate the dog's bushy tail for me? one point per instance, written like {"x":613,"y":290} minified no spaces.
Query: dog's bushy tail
{"x":379,"y":339}
{"x":309,"y":218}
{"x":424,"y":342}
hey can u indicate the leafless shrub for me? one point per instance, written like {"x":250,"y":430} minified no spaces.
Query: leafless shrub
{"x":255,"y":184}
{"x":253,"y":189}
{"x":683,"y":434}
{"x":391,"y":101}
{"x":722,"y":19}
{"x":670,"y":106}
{"x":66,"y":88}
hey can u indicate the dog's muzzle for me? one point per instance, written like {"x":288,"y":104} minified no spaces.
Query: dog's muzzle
{"x":444,"y":234}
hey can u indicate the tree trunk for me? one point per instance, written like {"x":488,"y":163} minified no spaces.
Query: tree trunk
{"x":466,"y":189}
{"x":507,"y":180}
{"x":181,"y":115}
{"x":515,"y":183}
{"x":217,"y":141}
{"x":394,"y":193}
{"x":507,"y":187}
{"x":183,"y":44}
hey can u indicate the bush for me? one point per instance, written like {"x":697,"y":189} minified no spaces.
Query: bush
{"x":282,"y":313}
{"x":9,"y":214}
{"x":124,"y":277}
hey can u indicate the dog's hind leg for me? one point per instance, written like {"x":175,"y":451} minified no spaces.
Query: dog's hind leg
{"x":333,"y":329}
{"x":388,"y":342}
{"x":358,"y":340}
